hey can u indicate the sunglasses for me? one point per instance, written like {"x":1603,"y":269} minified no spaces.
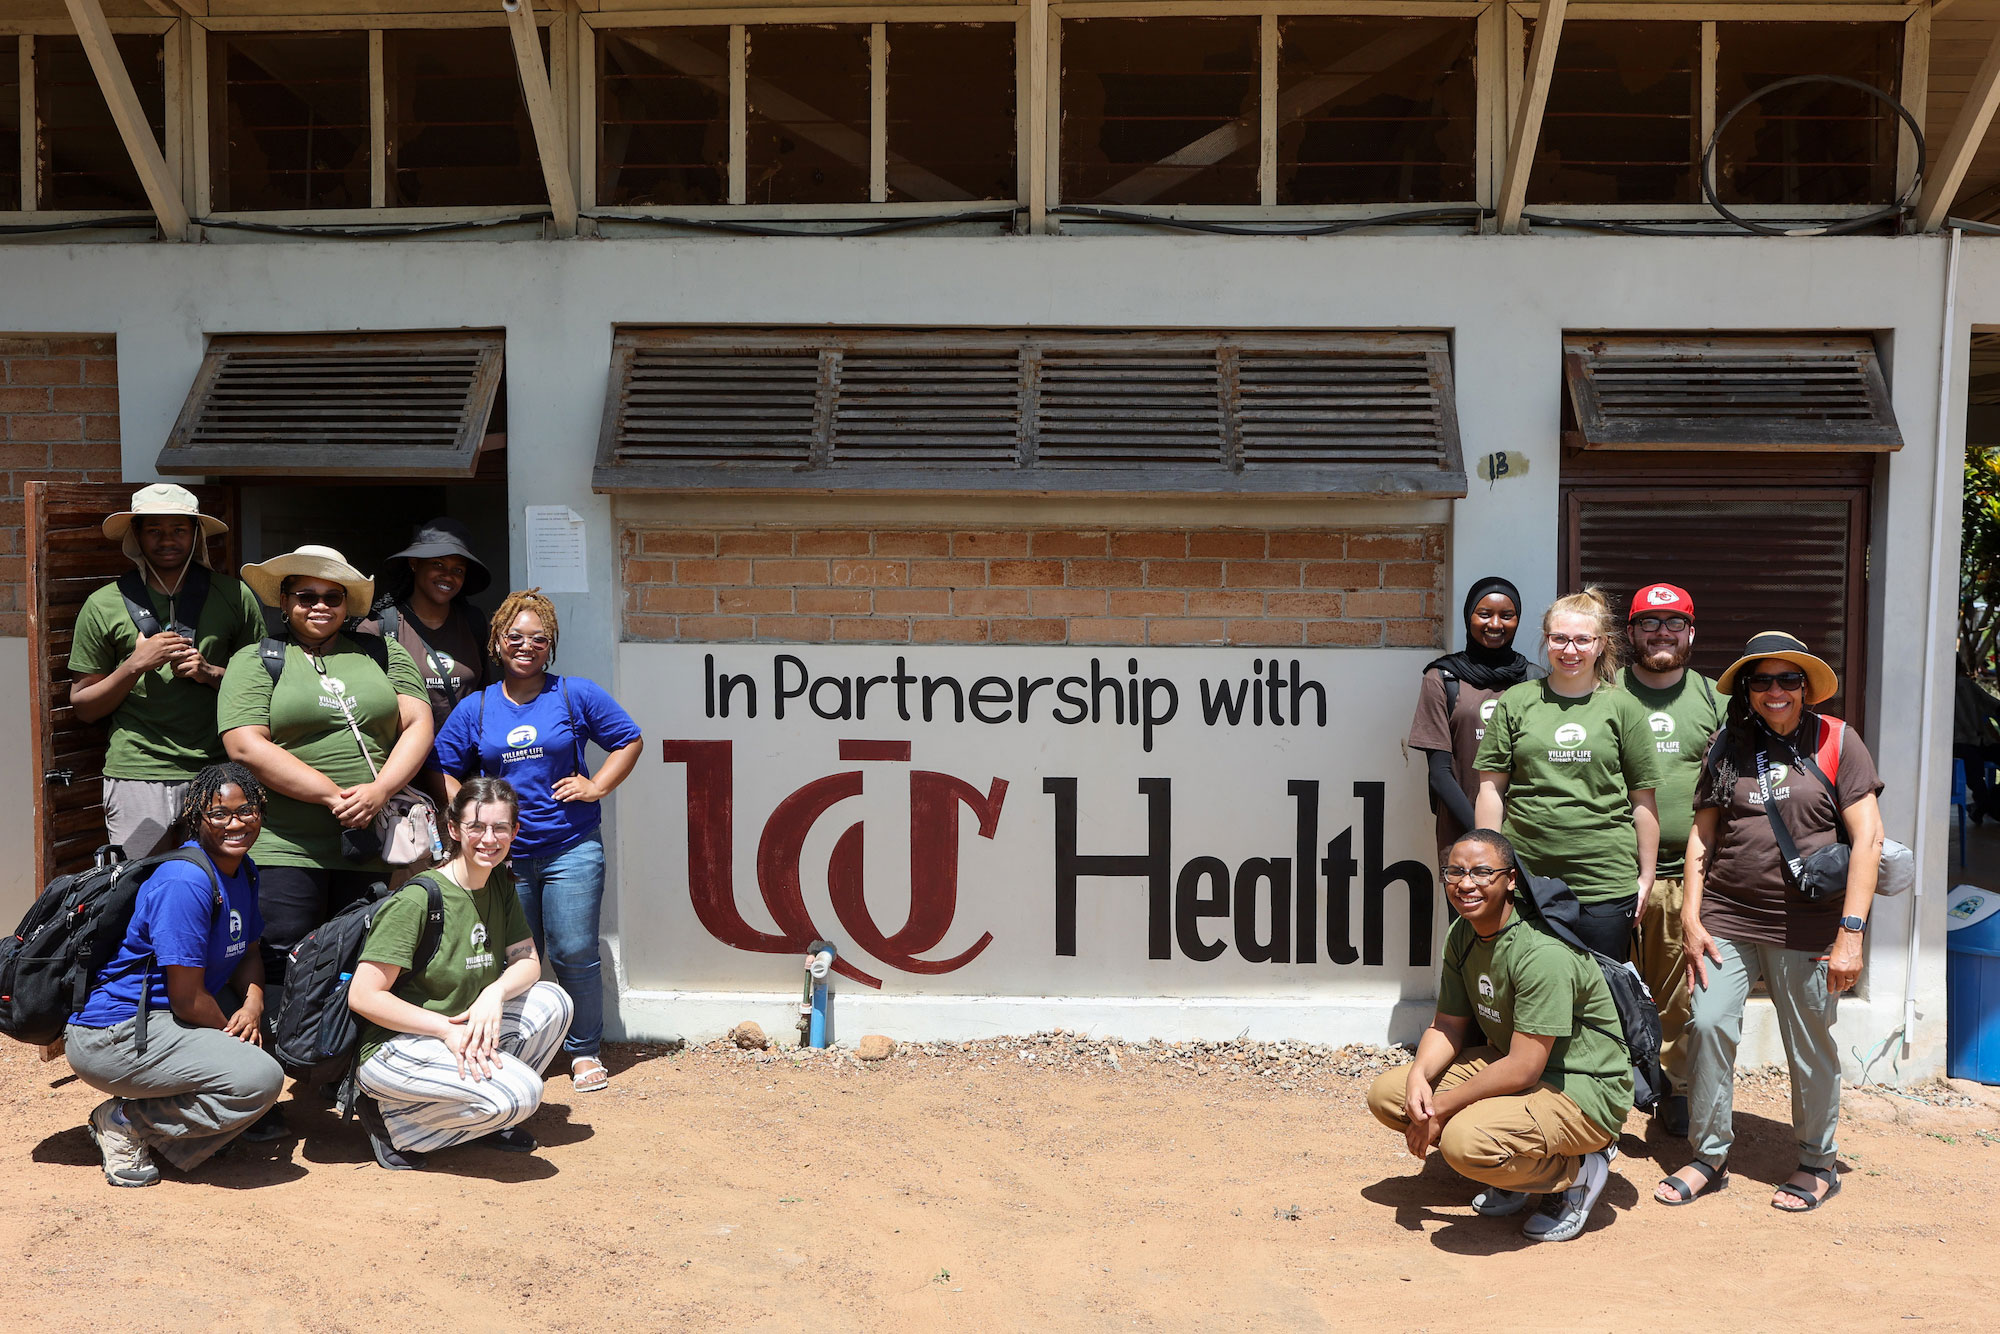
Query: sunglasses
{"x":307,"y":597}
{"x":514,"y":639}
{"x":1786,"y":681}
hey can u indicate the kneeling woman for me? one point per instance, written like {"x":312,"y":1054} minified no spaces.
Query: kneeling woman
{"x":453,"y":1047}
{"x":191,"y":960}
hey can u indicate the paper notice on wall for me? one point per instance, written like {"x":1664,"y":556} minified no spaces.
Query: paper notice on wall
{"x":555,"y":549}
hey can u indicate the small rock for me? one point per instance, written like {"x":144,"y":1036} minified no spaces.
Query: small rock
{"x":749,"y":1035}
{"x":875,"y":1047}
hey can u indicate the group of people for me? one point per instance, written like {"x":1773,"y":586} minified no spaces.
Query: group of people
{"x":265,"y":748}
{"x":1657,"y":796}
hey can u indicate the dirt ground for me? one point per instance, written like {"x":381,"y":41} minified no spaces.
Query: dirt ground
{"x":974,"y":1189}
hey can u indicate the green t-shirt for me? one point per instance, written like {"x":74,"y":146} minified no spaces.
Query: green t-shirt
{"x":479,"y":927}
{"x":1683,"y":720}
{"x":303,"y":714}
{"x":1571,"y":764}
{"x":164,"y":731}
{"x":1525,"y":980}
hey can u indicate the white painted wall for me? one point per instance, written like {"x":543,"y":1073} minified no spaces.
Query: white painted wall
{"x":1506,"y":300}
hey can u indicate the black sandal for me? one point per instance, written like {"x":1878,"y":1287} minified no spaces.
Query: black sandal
{"x":1718,"y":1179}
{"x":1826,"y":1174}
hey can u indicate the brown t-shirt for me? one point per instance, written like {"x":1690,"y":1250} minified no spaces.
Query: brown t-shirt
{"x":1745,"y":895}
{"x":451,"y":658}
{"x":1457,"y":735}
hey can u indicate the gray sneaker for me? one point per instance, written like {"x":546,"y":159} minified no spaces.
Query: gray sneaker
{"x":1492,"y":1202}
{"x":126,"y":1162}
{"x":1563,"y":1215}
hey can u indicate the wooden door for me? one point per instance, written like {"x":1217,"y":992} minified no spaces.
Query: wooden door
{"x":68,"y":559}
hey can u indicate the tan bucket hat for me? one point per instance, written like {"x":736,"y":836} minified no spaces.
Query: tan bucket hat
{"x":162,"y":500}
{"x":314,"y":562}
{"x":1821,"y":684}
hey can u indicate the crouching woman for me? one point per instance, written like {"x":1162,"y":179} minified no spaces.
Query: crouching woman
{"x":202,"y":1077}
{"x":453,"y":1047}
{"x":1537,"y":1110}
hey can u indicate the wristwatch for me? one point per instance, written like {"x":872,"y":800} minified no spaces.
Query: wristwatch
{"x":1851,"y":923}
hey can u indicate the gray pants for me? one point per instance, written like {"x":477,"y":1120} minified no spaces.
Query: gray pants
{"x":138,"y":813}
{"x":1805,"y":1012}
{"x":193,"y":1091}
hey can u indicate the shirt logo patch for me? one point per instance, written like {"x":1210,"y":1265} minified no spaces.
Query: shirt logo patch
{"x":480,"y":957}
{"x":1570,"y":734}
{"x":524,"y":735}
{"x":1486,"y":986}
{"x":1486,"y":709}
{"x":1779,"y":773}
{"x":1661,"y":723}
{"x":235,"y":925}
{"x":336,"y":685}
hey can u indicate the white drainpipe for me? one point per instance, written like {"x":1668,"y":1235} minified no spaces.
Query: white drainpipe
{"x":1941,"y":514}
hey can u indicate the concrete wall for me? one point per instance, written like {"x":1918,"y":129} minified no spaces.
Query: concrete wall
{"x":1505,"y":300}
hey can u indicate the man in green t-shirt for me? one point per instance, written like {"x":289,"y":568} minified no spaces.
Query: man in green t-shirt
{"x":1536,"y":1110}
{"x":1684,"y":713}
{"x":158,"y":688}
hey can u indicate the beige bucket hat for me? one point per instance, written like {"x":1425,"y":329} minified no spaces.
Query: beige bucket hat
{"x":162,"y":500}
{"x":317,"y":563}
{"x":1821,"y":684}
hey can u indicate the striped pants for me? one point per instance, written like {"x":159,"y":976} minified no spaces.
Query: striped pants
{"x":427,"y":1104}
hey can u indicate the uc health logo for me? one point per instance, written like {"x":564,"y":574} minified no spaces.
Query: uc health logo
{"x":934,"y":836}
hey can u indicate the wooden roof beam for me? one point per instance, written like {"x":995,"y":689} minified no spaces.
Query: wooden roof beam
{"x":162,"y":190}
{"x":1528,"y":117}
{"x":1967,"y":132}
{"x":542,"y":114}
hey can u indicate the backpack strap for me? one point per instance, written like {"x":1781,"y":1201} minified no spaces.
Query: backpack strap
{"x":392,"y":618}
{"x":138,"y":604}
{"x":575,"y":733}
{"x":479,"y":733}
{"x":1450,"y":684}
{"x":187,"y":601}
{"x":1832,"y":740}
{"x":433,"y":932}
{"x":271,"y":650}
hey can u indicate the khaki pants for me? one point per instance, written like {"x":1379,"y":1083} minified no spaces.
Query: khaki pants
{"x":1661,"y":956}
{"x":1533,"y":1141}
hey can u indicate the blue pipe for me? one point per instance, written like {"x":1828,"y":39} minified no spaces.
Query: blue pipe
{"x":817,"y":1033}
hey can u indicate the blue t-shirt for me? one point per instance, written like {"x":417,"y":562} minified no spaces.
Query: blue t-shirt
{"x":175,"y":921}
{"x":533,"y":747}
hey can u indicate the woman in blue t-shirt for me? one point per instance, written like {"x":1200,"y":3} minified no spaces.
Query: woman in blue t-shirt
{"x":530,"y":729}
{"x":190,"y":960}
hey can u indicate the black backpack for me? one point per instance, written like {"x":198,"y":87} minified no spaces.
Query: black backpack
{"x":1552,"y":905}
{"x":316,"y":1035}
{"x":49,"y":965}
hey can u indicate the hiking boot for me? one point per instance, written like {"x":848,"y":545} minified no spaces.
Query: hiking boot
{"x":514,"y":1139}
{"x":386,"y":1153}
{"x":126,"y":1162}
{"x":1564,"y":1214}
{"x":268,"y":1128}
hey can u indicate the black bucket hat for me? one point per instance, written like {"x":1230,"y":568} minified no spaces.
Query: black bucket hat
{"x":435,"y":538}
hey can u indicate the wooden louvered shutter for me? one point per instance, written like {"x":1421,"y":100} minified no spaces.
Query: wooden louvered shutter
{"x":1728,"y":392}
{"x":1754,"y":553}
{"x":389,"y":405}
{"x":1312,"y":413}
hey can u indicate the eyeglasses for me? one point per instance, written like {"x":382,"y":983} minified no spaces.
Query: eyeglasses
{"x":309,"y":597}
{"x":1655,"y":624}
{"x":1479,"y":875}
{"x":514,"y":639}
{"x":219,"y":818}
{"x":475,"y":832}
{"x":1786,"y":681}
{"x":1565,"y":641}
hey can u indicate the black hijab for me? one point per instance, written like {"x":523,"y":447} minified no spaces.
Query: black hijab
{"x":1478,"y":666}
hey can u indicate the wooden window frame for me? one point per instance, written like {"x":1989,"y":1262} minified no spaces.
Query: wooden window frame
{"x":19,"y":212}
{"x":1912,"y":86}
{"x":739,"y":20}
{"x":1489,"y":131}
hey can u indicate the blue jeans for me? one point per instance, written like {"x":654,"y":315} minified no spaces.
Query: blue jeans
{"x":561,"y":895}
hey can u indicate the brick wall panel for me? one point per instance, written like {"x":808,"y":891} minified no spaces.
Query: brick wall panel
{"x":1362,"y":587}
{"x":59,"y":422}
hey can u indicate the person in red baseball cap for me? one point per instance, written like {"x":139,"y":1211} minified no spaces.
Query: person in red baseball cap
{"x":1684,"y":712}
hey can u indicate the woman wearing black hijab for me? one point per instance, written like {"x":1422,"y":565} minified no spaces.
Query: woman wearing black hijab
{"x":1456,"y":699}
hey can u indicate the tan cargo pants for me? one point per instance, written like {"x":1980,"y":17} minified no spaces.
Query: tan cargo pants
{"x":1533,"y":1141}
{"x":1661,"y":957}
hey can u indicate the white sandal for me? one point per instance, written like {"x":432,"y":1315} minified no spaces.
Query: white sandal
{"x":587,"y":1074}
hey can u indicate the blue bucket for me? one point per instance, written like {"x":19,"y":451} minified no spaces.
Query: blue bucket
{"x":1972,"y":984}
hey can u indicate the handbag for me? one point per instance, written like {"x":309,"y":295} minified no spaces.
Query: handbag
{"x":405,"y":830}
{"x":1823,"y":874}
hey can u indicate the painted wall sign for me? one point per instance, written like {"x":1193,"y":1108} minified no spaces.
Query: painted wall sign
{"x":1027,"y":821}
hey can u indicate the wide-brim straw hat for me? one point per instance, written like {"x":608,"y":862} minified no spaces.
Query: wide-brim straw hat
{"x":1821,"y":683}
{"x":167,"y":501}
{"x":266,"y":578}
{"x":436,"y":538}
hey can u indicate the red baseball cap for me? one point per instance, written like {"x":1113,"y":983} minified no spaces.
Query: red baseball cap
{"x":1659,"y":599}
